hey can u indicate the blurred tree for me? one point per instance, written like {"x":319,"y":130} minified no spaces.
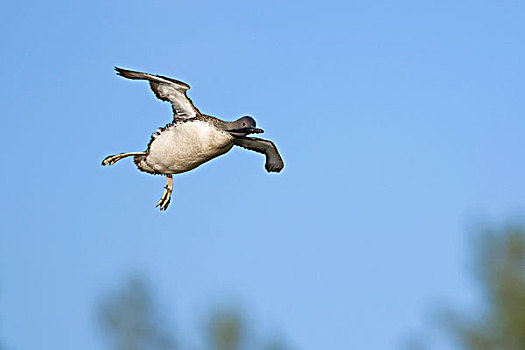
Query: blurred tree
{"x":226,"y":330}
{"x":130,"y":319}
{"x":501,"y":271}
{"x":275,"y":345}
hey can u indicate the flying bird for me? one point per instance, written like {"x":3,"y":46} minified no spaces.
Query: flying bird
{"x":192,"y":138}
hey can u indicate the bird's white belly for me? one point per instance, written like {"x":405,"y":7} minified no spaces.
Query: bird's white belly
{"x":185,"y":146}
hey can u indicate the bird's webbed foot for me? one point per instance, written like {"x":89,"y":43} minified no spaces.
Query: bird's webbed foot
{"x":110,"y":160}
{"x":165,"y":199}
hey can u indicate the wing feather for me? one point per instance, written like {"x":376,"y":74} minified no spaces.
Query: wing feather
{"x":166,"y":89}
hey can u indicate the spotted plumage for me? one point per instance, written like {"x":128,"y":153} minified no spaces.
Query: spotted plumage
{"x":192,"y":138}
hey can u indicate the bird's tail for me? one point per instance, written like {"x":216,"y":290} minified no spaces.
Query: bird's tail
{"x":140,"y":162}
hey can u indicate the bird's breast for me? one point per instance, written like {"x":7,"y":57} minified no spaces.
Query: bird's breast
{"x":184,"y":146}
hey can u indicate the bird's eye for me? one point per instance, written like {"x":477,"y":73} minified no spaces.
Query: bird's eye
{"x":243,"y":124}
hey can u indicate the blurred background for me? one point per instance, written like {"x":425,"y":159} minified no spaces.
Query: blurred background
{"x":397,"y":222}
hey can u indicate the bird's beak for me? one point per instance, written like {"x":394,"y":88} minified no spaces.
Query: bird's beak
{"x":246,"y":131}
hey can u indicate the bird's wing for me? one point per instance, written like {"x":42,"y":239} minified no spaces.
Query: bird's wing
{"x":166,"y":89}
{"x":274,"y":162}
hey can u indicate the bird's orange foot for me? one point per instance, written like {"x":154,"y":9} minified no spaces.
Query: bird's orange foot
{"x":110,"y":160}
{"x":164,"y":199}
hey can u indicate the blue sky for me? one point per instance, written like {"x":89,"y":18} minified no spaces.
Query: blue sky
{"x":401,"y":125}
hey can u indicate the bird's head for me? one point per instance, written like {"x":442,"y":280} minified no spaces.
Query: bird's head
{"x":242,"y":127}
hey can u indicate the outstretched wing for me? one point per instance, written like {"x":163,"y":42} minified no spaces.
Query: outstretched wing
{"x":274,"y":162}
{"x":166,"y":89}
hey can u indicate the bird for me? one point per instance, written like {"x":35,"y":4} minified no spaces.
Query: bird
{"x":192,"y":138}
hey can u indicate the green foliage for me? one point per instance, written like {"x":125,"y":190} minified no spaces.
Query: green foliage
{"x":129,"y":318}
{"x":501,"y":270}
{"x":226,"y":330}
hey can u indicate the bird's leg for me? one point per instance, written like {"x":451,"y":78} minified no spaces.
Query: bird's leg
{"x":110,"y":160}
{"x":166,"y":195}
